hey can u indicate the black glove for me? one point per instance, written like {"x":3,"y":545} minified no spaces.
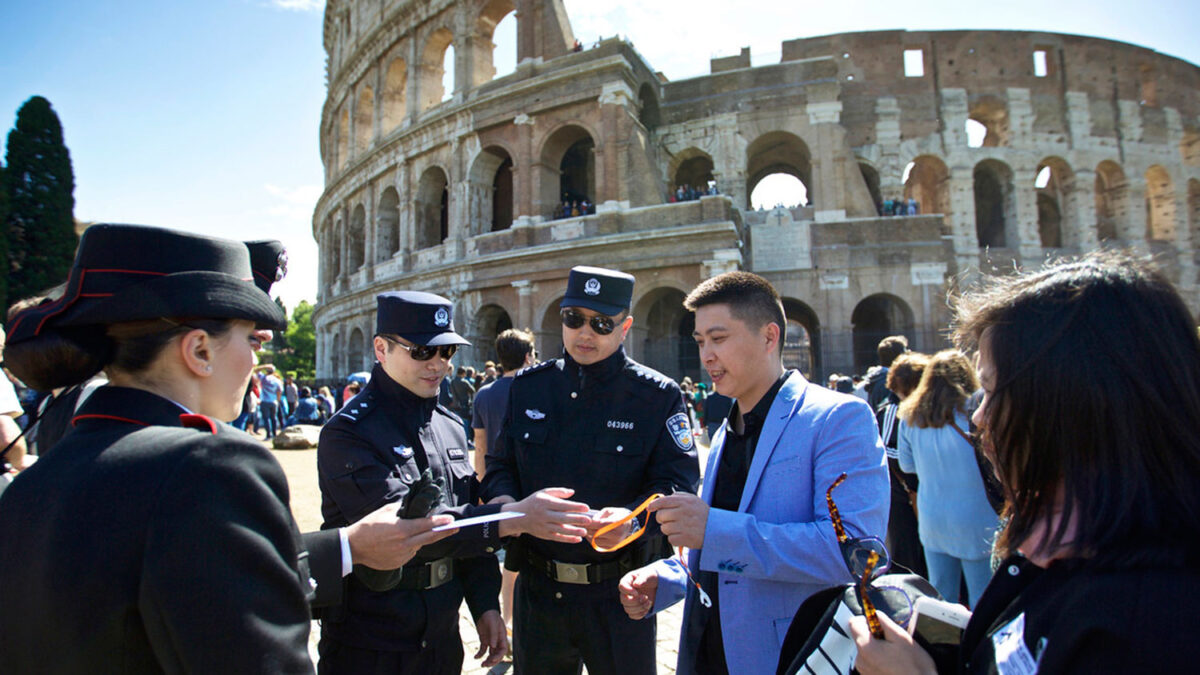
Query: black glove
{"x":423,"y":498}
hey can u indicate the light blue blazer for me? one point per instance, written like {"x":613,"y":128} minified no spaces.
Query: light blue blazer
{"x":780,"y":547}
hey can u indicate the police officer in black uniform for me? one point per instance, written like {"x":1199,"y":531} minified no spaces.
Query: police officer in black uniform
{"x":393,"y":443}
{"x":606,"y":432}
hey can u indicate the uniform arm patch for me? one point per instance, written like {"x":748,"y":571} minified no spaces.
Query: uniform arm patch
{"x":681,"y":430}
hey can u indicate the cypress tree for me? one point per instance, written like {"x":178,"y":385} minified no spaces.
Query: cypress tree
{"x":3,"y":242}
{"x":40,"y":183}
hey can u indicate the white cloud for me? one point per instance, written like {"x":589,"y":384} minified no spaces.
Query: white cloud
{"x":298,"y":5}
{"x":292,"y":203}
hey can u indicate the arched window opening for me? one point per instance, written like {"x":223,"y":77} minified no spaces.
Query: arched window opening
{"x":393,"y":107}
{"x":1160,"y":205}
{"x":1049,"y":221}
{"x":779,"y":189}
{"x":769,"y":158}
{"x":995,"y":210}
{"x":432,"y":208}
{"x":577,"y":169}
{"x":694,"y":178}
{"x":549,"y":338}
{"x":571,"y":189}
{"x":871,"y":178}
{"x":801,"y":344}
{"x":356,"y":239}
{"x":668,"y":345}
{"x":363,"y":129}
{"x":388,"y":225}
{"x":1112,"y":200}
{"x":448,"y":74}
{"x":928,"y":183}
{"x":490,"y":321}
{"x":496,"y":28}
{"x":335,"y":358}
{"x":875,"y":318}
{"x":1058,"y":224}
{"x":992,"y":115}
{"x":502,"y":196}
{"x":355,"y":352}
{"x":333,"y":263}
{"x":648,"y":112}
{"x":437,"y":69}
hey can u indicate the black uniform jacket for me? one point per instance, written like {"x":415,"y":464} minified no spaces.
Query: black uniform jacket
{"x":369,"y":455}
{"x":151,"y":541}
{"x":1080,"y":617}
{"x":615,"y":431}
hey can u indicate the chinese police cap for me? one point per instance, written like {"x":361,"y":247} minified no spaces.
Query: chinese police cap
{"x":133,"y":273}
{"x":421,"y":318}
{"x":606,"y":291}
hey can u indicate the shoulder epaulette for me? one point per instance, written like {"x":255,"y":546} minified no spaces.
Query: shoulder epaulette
{"x":648,"y":375}
{"x":359,"y":407}
{"x":537,"y":367}
{"x":449,"y":413}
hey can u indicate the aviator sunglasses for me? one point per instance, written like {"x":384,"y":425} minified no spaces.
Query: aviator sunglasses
{"x":424,"y":352}
{"x":603,"y":325}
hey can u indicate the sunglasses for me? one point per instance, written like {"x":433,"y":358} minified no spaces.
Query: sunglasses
{"x":602,"y":325}
{"x":867,"y":558}
{"x":424,"y":352}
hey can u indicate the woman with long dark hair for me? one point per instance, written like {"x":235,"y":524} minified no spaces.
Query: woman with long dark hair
{"x":1091,"y":379}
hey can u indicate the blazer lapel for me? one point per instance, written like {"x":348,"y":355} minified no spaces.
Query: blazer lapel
{"x":710,"y":466}
{"x":790,"y":395}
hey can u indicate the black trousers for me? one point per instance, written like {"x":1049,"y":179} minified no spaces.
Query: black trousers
{"x":557,"y":628}
{"x":444,"y":658}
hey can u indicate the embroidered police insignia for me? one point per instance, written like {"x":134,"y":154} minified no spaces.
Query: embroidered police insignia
{"x":680,"y":430}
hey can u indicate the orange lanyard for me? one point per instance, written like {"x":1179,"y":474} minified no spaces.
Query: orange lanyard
{"x":704,"y":599}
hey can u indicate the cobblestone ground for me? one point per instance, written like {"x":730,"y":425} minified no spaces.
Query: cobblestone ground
{"x":301,"y":469}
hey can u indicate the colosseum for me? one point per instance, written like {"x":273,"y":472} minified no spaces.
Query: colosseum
{"x":1013,"y":147}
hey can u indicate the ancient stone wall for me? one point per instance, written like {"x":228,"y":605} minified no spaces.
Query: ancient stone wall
{"x":1082,"y":143}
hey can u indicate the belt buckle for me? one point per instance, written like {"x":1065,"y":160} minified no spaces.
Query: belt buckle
{"x":440,"y":571}
{"x":571,"y":573}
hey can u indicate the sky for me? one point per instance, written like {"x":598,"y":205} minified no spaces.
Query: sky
{"x":203,"y":115}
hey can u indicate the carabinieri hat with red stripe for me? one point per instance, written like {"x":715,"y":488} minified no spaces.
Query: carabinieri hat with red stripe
{"x":133,"y":272}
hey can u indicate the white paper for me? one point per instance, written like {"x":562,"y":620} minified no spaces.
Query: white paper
{"x":479,"y":520}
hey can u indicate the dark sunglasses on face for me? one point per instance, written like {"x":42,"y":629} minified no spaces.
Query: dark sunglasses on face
{"x":602,"y":325}
{"x":424,"y":352}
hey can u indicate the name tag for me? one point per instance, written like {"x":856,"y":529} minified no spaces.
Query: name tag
{"x":456,"y":453}
{"x":1012,"y":655}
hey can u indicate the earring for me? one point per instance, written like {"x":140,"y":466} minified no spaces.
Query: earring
{"x":208,"y":369}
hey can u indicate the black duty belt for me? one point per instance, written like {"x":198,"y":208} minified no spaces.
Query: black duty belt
{"x":586,"y":573}
{"x":426,"y":576}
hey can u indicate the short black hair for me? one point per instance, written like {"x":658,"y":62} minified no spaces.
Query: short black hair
{"x":512,"y":346}
{"x":751,"y":300}
{"x":889,"y":348}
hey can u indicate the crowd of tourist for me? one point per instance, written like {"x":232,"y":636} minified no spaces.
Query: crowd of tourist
{"x":899,"y":207}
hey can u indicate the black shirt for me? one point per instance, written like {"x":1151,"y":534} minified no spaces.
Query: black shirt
{"x":736,"y":454}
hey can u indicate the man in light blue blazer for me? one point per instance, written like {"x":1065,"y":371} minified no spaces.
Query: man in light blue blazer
{"x":759,"y":532}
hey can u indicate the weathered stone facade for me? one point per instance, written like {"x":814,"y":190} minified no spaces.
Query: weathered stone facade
{"x":458,"y":196}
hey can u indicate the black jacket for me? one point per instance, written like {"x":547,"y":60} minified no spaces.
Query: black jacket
{"x":614,"y":431}
{"x":141,"y":545}
{"x":370,"y":453}
{"x":1083,"y":618}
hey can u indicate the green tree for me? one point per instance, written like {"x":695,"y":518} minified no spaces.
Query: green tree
{"x":300,"y":353}
{"x":40,"y":183}
{"x":3,"y":240}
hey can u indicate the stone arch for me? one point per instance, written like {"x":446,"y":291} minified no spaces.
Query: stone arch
{"x":432,"y":207}
{"x":1193,"y":205}
{"x":874,"y":318}
{"x":694,"y":168}
{"x":871,"y":178}
{"x":343,"y":139}
{"x":992,"y":113}
{"x":648,"y":111}
{"x":490,"y":321}
{"x":491,"y":190}
{"x":1112,"y":200}
{"x":995,"y":205}
{"x":1160,"y":204}
{"x":778,"y":152}
{"x":356,"y":240}
{"x":1058,"y":206}
{"x":335,"y":358}
{"x":568,"y":167}
{"x":333,"y":261}
{"x":490,"y":16}
{"x":667,"y":327}
{"x":433,"y":68}
{"x":394,"y":104}
{"x":363,"y":129}
{"x":802,"y":342}
{"x":929,"y":183}
{"x":549,"y":337}
{"x":387,"y":225}
{"x":355,"y":351}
